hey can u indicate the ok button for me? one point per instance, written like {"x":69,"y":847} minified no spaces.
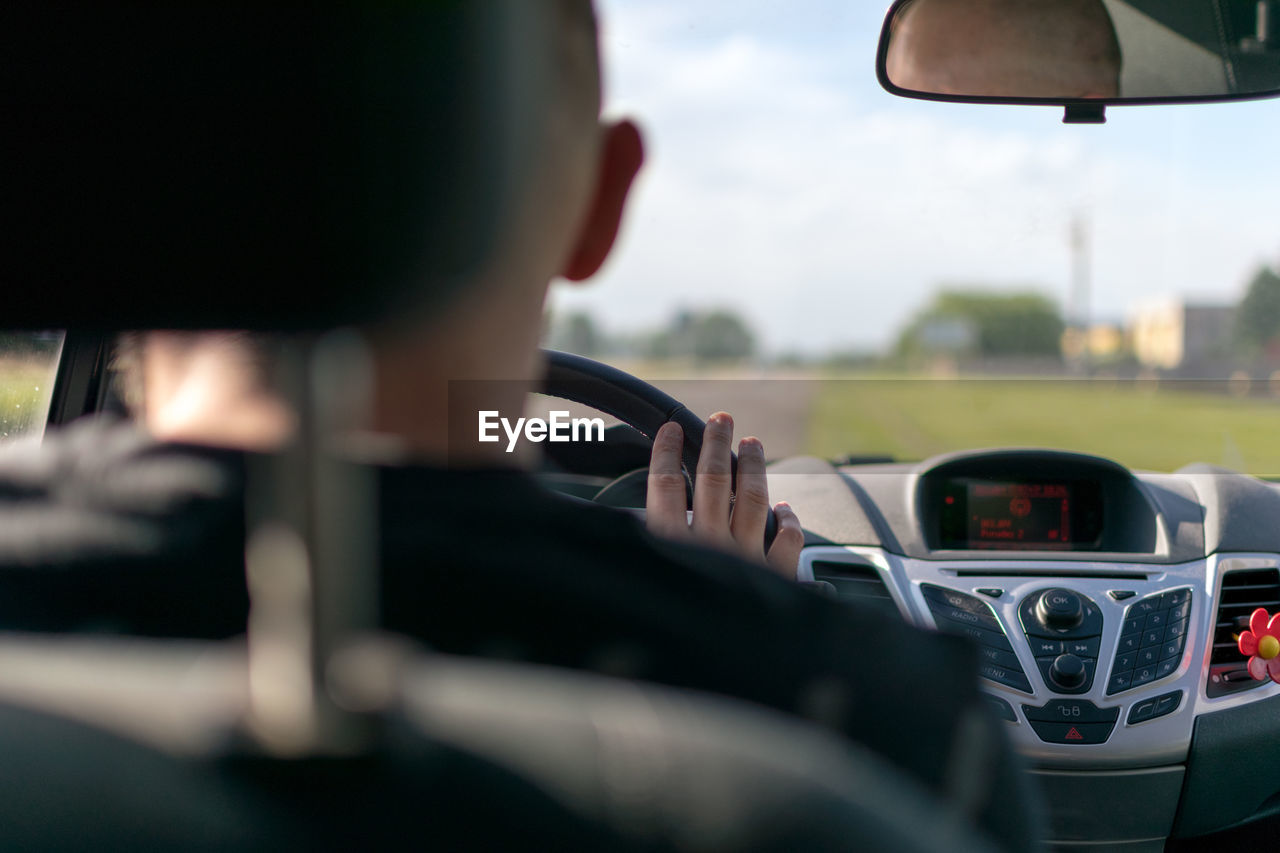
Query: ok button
{"x":1060,"y":608}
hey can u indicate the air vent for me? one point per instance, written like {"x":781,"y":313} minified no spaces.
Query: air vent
{"x":856,"y":581}
{"x":1243,"y":591}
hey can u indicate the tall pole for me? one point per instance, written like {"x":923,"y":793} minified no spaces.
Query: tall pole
{"x":1081,"y":285}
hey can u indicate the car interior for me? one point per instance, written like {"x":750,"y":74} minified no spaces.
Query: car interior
{"x":1106,"y":601}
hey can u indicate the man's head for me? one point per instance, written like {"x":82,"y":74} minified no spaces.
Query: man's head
{"x":562,"y":221}
{"x":1006,"y":48}
{"x":583,"y":169}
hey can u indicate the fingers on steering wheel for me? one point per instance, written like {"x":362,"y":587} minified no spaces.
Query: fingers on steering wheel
{"x":665,"y":502}
{"x":784,"y":554}
{"x":714,"y":481}
{"x":751,"y":503}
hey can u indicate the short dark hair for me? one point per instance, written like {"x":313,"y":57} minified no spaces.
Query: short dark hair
{"x":579,"y":49}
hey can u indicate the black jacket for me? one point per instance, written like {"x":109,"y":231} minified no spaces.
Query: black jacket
{"x":103,"y":529}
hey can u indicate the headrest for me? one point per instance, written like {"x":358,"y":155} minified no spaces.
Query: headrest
{"x":255,"y":164}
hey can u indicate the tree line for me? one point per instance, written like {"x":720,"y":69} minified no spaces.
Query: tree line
{"x":1257,"y":326}
{"x":961,"y":322}
{"x":706,"y":337}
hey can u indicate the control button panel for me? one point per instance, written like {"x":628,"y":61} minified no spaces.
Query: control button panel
{"x":960,"y":613}
{"x":1152,"y":637}
{"x":1071,"y":721}
{"x":1150,"y":709}
{"x":1064,"y":630}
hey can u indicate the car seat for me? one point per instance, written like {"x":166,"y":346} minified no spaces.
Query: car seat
{"x":299,"y":169}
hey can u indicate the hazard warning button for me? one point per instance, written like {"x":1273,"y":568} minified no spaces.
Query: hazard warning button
{"x":1072,"y":732}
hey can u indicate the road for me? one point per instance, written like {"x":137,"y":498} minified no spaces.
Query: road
{"x":776,"y":408}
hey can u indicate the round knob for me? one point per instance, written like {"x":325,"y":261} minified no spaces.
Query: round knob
{"x":1067,"y":671}
{"x":1060,"y":608}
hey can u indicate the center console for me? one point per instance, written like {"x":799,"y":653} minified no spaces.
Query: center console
{"x":1085,"y":662}
{"x":1103,"y":617}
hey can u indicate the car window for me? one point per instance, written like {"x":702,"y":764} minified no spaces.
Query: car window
{"x":940,"y":276}
{"x":28,"y":367}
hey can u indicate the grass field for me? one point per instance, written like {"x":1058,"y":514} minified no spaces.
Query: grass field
{"x":25,"y":386}
{"x":1141,"y":425}
{"x":1151,"y":427}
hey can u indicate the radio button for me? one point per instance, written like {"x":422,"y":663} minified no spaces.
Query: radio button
{"x":999,"y":658}
{"x":1119,"y":681}
{"x":965,"y":617}
{"x":1006,"y":676}
{"x":1083,"y":648}
{"x":1150,"y":709}
{"x":1141,"y":711}
{"x":1143,"y":675}
{"x":1147,"y":657}
{"x":959,"y":606}
{"x":1145,"y":607}
{"x":1044,"y":648}
{"x":1167,"y":704}
{"x":981,"y":635}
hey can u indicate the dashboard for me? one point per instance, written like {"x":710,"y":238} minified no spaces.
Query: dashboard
{"x":1104,"y":605}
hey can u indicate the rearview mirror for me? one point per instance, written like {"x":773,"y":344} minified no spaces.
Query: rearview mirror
{"x":1083,"y":54}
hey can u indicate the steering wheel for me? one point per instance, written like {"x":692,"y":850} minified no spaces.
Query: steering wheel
{"x":637,"y":404}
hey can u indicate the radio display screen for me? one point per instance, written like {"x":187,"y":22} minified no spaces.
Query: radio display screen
{"x":980,"y":514}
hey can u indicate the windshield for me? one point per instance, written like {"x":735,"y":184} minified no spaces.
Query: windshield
{"x":929,"y":277}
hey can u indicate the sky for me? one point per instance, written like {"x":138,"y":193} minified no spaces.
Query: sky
{"x":782,"y":182}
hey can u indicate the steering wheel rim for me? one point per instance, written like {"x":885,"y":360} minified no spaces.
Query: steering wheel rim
{"x":635,"y":403}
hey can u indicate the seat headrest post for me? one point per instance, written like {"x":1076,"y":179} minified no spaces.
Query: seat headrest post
{"x":311,"y":560}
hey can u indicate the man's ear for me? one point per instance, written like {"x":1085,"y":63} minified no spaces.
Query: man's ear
{"x":620,"y":159}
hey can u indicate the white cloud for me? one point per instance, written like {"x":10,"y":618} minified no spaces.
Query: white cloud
{"x":781,"y":181}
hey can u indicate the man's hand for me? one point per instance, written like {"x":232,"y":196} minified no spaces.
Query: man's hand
{"x":739,"y":530}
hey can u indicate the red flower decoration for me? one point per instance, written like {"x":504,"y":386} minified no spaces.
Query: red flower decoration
{"x":1262,"y":643}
